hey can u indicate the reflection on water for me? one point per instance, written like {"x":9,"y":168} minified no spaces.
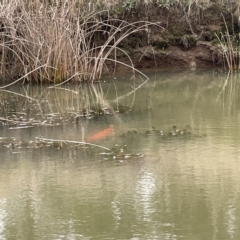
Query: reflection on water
{"x":145,"y":190}
{"x":185,"y":187}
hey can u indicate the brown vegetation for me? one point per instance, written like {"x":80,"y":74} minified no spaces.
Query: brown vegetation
{"x":58,"y":41}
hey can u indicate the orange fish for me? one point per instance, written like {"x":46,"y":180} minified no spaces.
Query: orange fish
{"x":102,"y":134}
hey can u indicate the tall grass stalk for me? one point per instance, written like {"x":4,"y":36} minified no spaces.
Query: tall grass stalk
{"x":58,"y":41}
{"x":229,"y":49}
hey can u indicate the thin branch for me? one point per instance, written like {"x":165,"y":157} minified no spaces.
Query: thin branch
{"x":75,"y":142}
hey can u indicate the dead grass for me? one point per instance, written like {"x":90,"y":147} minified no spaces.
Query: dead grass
{"x":229,"y":48}
{"x":61,"y":41}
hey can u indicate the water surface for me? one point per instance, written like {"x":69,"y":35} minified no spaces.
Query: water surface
{"x":180,"y":187}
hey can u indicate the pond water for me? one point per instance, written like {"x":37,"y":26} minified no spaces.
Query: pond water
{"x":157,"y":183}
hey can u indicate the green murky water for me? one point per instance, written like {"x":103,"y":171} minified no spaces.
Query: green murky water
{"x":158,"y":186}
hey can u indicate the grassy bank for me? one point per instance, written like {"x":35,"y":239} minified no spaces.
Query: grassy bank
{"x":57,"y":40}
{"x":135,"y":4}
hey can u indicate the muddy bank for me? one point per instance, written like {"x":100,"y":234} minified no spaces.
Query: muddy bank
{"x":188,"y":35}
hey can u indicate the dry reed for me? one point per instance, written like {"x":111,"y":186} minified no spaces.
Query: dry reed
{"x":58,"y":41}
{"x":229,"y":48}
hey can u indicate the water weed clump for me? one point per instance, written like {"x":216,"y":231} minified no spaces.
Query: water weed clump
{"x":58,"y":41}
